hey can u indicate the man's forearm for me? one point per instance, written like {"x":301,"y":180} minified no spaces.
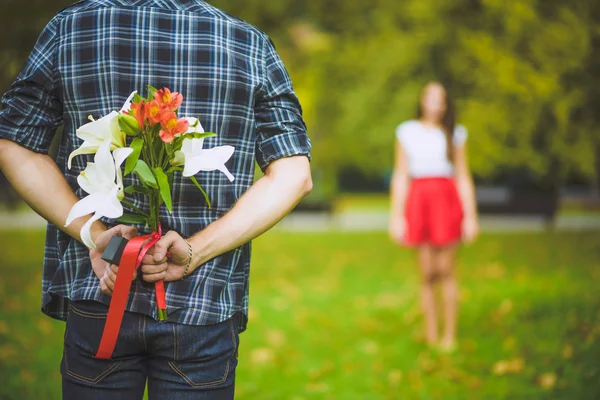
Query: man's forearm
{"x":37,"y":179}
{"x":269,"y":200}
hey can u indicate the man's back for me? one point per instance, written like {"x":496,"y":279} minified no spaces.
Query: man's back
{"x":89,"y":58}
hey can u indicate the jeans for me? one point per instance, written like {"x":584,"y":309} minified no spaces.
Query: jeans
{"x":178,"y":362}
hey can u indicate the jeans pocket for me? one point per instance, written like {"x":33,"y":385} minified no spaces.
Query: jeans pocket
{"x":85,"y":325}
{"x":206,"y":355}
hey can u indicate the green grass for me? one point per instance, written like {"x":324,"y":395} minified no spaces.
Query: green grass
{"x":336,"y":316}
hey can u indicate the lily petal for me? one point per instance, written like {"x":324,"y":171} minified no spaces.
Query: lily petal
{"x":88,"y":180}
{"x":228,"y":174}
{"x":85,"y":206}
{"x":127,"y":105}
{"x":121,"y":155}
{"x":105,"y":166}
{"x":178,"y":159}
{"x":86,"y":232}
{"x":195,"y":125}
{"x":97,"y":132}
{"x":85,"y":148}
{"x":111,"y":207}
{"x":209,"y":160}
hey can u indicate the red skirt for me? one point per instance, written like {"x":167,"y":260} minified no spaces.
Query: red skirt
{"x":433,"y":212}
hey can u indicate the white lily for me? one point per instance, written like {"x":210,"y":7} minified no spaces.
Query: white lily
{"x":103,"y":181}
{"x":195,"y":125}
{"x":196,"y":159}
{"x":97,"y":132}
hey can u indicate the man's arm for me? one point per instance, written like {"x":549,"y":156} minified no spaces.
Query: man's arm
{"x":37,"y":179}
{"x":271,"y":198}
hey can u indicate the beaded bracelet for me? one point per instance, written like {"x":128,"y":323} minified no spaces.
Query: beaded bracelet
{"x":187,"y":267}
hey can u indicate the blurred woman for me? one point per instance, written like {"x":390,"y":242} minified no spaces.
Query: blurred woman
{"x":433,"y":204}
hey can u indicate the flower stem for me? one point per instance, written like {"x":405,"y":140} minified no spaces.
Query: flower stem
{"x":134,"y":208}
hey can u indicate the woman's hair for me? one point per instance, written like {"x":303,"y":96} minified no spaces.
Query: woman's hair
{"x":448,"y":120}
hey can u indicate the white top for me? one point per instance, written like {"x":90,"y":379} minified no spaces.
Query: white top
{"x":425,"y":148}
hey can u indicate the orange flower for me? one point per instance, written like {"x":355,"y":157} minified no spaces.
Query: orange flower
{"x":172,"y":126}
{"x":138,"y":111}
{"x":168,"y":99}
{"x":155,"y":112}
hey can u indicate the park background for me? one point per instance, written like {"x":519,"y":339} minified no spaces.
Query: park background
{"x":334,"y":305}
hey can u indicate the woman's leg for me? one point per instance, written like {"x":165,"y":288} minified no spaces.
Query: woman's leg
{"x":428,"y":278}
{"x":444,"y":259}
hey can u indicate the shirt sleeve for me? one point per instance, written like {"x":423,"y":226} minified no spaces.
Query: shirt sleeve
{"x":281,"y":131}
{"x":31,"y":109}
{"x":460,"y":135}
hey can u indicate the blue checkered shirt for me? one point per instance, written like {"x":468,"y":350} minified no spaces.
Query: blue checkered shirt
{"x":88,"y":59}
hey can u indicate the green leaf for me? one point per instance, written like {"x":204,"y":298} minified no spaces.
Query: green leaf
{"x":137,"y":189}
{"x":204,"y":135}
{"x":165,"y":189}
{"x":173,"y":169}
{"x":138,"y":99}
{"x":132,"y":160}
{"x":151,"y":90}
{"x":193,"y":178}
{"x":131,"y":219}
{"x":143,"y":171}
{"x":129,"y":125}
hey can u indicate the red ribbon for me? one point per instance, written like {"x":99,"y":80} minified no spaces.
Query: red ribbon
{"x":132,"y":257}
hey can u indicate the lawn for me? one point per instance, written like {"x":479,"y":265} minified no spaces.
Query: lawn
{"x":336,"y":316}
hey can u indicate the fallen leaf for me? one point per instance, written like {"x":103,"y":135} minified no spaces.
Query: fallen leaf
{"x":3,"y":328}
{"x":317,"y":387}
{"x":500,"y":368}
{"x":547,"y":381}
{"x":370,"y":348}
{"x":395,"y":376}
{"x":276,"y":338}
{"x":568,"y":351}
{"x":262,"y":356}
{"x":27,"y":376}
{"x":504,"y":367}
{"x":506,"y":306}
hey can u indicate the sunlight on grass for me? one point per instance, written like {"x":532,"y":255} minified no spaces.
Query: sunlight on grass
{"x":336,"y":316}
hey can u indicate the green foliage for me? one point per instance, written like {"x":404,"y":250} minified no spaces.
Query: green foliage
{"x":164,"y":187}
{"x":524,"y":74}
{"x":131,"y":219}
{"x":130,"y":163}
{"x":143,"y":171}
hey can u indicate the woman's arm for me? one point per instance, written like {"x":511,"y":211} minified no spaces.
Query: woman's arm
{"x":399,"y":191}
{"x":466,"y":191}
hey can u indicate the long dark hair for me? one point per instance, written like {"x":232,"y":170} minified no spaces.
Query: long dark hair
{"x":448,"y":121}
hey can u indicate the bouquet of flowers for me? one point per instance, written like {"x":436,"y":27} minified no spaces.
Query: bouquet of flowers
{"x":161,"y":144}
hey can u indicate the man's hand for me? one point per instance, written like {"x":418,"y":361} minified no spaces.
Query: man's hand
{"x":106,"y":272}
{"x":167,"y":259}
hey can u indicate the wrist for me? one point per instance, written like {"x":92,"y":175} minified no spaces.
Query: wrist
{"x":97,"y":229}
{"x":198,"y":256}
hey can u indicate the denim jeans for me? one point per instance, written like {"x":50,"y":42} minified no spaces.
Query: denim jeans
{"x":178,"y":362}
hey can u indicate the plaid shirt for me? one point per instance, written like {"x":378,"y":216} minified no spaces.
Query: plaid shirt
{"x":88,"y":59}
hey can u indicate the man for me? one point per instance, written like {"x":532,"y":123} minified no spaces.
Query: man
{"x":86,"y":62}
